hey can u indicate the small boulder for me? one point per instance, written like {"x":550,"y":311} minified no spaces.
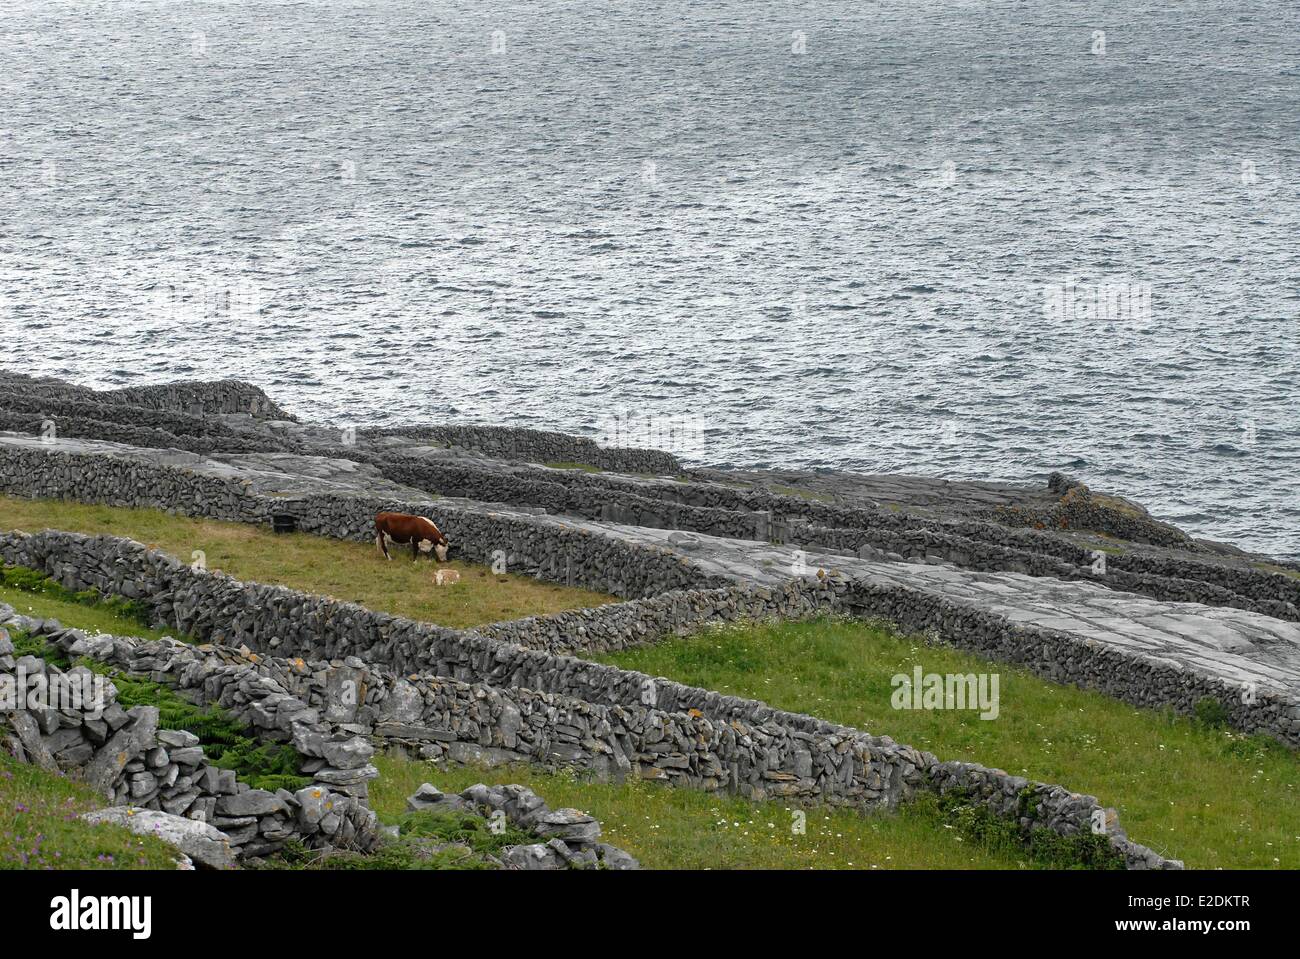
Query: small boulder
{"x":203,"y":843}
{"x":571,"y":825}
{"x":532,"y":857}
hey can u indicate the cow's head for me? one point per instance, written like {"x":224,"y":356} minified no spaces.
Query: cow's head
{"x":440,"y":549}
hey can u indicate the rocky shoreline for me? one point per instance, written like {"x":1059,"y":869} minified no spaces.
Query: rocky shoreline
{"x":1078,"y":586}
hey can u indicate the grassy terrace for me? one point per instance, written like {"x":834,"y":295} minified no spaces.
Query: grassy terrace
{"x":354,"y":572}
{"x":668,"y":828}
{"x":94,"y":618}
{"x":1206,"y":795}
{"x":665,"y":828}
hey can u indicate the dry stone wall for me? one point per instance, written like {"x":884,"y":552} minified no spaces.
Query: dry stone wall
{"x":571,"y":838}
{"x":469,"y":696}
{"x":565,"y":555}
{"x":568,"y":555}
{"x":189,"y":416}
{"x":1078,"y":509}
{"x":201,"y":399}
{"x":157,"y":429}
{"x":196,"y":398}
{"x":1165,"y":579}
{"x":538,"y":446}
{"x":283,"y":621}
{"x":127,"y":758}
{"x":604,"y":629}
{"x":772,"y":755}
{"x":1142,"y":680}
{"x":969,"y":544}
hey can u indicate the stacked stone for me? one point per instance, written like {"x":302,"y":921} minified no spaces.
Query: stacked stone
{"x":110,"y":476}
{"x":285,"y":622}
{"x":120,"y":476}
{"x":756,"y":514}
{"x":125,"y":757}
{"x":200,"y":398}
{"x":529,"y":704}
{"x":695,"y":738}
{"x":545,"y":549}
{"x":1177,"y":580}
{"x":1271,"y":590}
{"x":1077,"y":509}
{"x":136,"y":426}
{"x":1132,"y":676}
{"x":536,"y":446}
{"x":612,"y":565}
{"x":1033,"y":805}
{"x":878,"y":534}
{"x":643,"y":622}
{"x":106,"y":476}
{"x":230,"y":679}
{"x":552,"y":490}
{"x":570,"y":837}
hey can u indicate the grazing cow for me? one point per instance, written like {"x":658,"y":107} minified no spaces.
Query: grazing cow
{"x":416,"y":530}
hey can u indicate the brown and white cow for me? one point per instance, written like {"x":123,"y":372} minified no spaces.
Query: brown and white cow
{"x":423,"y":536}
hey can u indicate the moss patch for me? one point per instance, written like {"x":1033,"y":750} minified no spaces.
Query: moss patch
{"x":225,"y":742}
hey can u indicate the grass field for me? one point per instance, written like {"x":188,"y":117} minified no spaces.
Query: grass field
{"x":663,"y":827}
{"x":39,"y":828}
{"x":667,"y":828}
{"x":93,"y":619}
{"x":354,"y":572}
{"x":1209,"y":796}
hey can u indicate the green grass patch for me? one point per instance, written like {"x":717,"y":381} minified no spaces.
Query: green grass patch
{"x":667,"y":828}
{"x":354,"y":572}
{"x":32,"y":593}
{"x":40,"y":828}
{"x":225,"y":741}
{"x":1111,"y":550}
{"x":1186,"y":788}
{"x":583,"y":467}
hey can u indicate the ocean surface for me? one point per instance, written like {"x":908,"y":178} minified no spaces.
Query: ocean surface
{"x":969,"y":239}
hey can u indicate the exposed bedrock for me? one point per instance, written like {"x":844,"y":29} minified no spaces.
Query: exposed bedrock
{"x":1246,"y":659}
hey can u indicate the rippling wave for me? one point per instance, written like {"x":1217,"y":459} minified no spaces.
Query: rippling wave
{"x":949,"y":238}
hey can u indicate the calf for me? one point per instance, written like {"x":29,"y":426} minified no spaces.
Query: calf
{"x":416,"y":530}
